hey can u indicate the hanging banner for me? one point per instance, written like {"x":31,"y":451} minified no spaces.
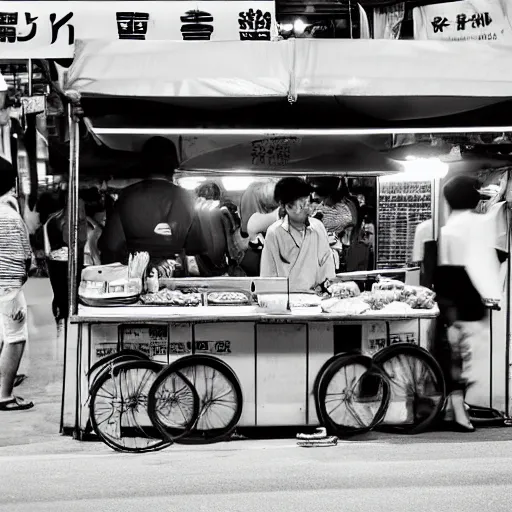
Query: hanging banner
{"x":48,"y":30}
{"x":468,"y":20}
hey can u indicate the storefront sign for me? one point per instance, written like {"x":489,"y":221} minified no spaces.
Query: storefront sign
{"x":49,"y":29}
{"x":469,"y":20}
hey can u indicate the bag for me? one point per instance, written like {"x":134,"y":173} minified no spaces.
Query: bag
{"x":454,"y":289}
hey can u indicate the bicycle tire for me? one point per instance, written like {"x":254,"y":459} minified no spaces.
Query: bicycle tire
{"x":125,"y":352}
{"x":378,"y":405}
{"x":319,"y":377}
{"x":116,"y":372}
{"x":382,"y":359}
{"x":112,"y":362}
{"x":167,"y":431}
{"x":200,"y":435}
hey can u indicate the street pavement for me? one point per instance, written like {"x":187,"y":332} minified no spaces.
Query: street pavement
{"x":266,"y":475}
{"x":42,"y":471}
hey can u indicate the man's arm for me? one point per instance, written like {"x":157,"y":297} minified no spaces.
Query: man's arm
{"x":327,"y":269}
{"x":260,"y":222}
{"x":268,"y":267}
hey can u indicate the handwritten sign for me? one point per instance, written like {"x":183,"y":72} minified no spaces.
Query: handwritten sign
{"x":150,"y":339}
{"x":468,"y":20}
{"x":201,"y":347}
{"x":49,"y":29}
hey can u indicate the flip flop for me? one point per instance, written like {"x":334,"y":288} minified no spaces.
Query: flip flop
{"x":15,"y":404}
{"x":19,"y":379}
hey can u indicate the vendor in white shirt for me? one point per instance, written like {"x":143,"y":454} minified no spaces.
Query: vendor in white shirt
{"x":297,"y":246}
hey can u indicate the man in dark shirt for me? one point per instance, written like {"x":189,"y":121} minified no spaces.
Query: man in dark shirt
{"x":153,"y":215}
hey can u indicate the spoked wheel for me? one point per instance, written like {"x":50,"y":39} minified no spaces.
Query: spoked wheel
{"x":118,"y":407}
{"x":320,"y":375}
{"x":118,"y":357}
{"x":173,"y":404}
{"x":353,"y":395}
{"x":417,"y":388}
{"x":220,"y":399}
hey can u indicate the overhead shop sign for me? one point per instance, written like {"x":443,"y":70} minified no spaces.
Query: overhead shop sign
{"x":49,"y":29}
{"x":467,"y":20}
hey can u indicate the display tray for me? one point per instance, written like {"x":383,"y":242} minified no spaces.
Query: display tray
{"x":142,"y":314}
{"x":109,"y":303}
{"x":228,"y":297}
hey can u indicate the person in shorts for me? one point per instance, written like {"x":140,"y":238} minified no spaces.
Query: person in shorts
{"x":15,"y":260}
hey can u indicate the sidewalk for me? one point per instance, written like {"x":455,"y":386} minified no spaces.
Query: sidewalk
{"x":37,"y":430}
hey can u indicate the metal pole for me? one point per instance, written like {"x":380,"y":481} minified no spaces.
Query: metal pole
{"x":73,"y":210}
{"x":30,"y":78}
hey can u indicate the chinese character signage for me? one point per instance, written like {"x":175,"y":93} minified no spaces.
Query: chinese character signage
{"x":468,"y":20}
{"x":49,"y":29}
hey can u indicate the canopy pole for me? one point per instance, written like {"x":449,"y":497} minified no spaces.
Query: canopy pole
{"x":74,"y":142}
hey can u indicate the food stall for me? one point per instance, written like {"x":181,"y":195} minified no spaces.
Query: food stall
{"x":271,"y":92}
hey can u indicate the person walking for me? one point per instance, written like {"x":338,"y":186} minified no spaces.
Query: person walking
{"x":466,"y":276}
{"x":15,"y":261}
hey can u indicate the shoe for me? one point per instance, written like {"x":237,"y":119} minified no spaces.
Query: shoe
{"x":454,"y":426}
{"x":15,"y":404}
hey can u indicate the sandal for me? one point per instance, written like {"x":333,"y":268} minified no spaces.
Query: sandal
{"x":15,"y":404}
{"x":19,"y":379}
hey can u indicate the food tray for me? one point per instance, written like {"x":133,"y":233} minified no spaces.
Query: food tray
{"x":108,"y":302}
{"x":210,"y":302}
{"x":145,"y":299}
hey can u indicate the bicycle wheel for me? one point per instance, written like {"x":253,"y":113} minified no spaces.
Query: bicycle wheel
{"x":118,"y":407}
{"x":173,"y":404}
{"x":220,"y":398}
{"x":98,"y":369}
{"x":417,"y":387}
{"x":319,"y":377}
{"x":353,"y":395}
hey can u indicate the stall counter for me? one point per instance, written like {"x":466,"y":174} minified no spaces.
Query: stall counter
{"x":141,"y":314}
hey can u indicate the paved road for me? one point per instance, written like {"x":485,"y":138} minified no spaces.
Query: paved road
{"x":265,"y":475}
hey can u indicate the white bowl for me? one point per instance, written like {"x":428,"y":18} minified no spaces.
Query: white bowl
{"x":274,"y":302}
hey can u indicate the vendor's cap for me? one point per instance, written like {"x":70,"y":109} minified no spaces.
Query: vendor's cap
{"x":462,"y":192}
{"x":289,"y":190}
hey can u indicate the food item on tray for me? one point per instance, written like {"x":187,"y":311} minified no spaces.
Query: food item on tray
{"x":418,"y":297}
{"x":228,"y":297}
{"x":380,"y":298}
{"x":172,"y":298}
{"x":397,"y":308}
{"x":350,"y":306}
{"x":387,"y":285}
{"x":344,"y":290}
{"x":304,"y":300}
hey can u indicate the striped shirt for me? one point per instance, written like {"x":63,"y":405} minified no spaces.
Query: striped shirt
{"x":15,"y":247}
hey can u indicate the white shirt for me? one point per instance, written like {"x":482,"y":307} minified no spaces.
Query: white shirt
{"x":467,"y":241}
{"x":423,"y":234}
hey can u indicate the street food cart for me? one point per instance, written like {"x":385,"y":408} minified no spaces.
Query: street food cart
{"x":296,"y":88}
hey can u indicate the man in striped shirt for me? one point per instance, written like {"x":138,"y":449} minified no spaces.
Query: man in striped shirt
{"x":15,"y":259}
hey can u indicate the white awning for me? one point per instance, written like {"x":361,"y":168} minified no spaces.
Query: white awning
{"x":326,"y":67}
{"x":181,"y":69}
{"x":336,"y":84}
